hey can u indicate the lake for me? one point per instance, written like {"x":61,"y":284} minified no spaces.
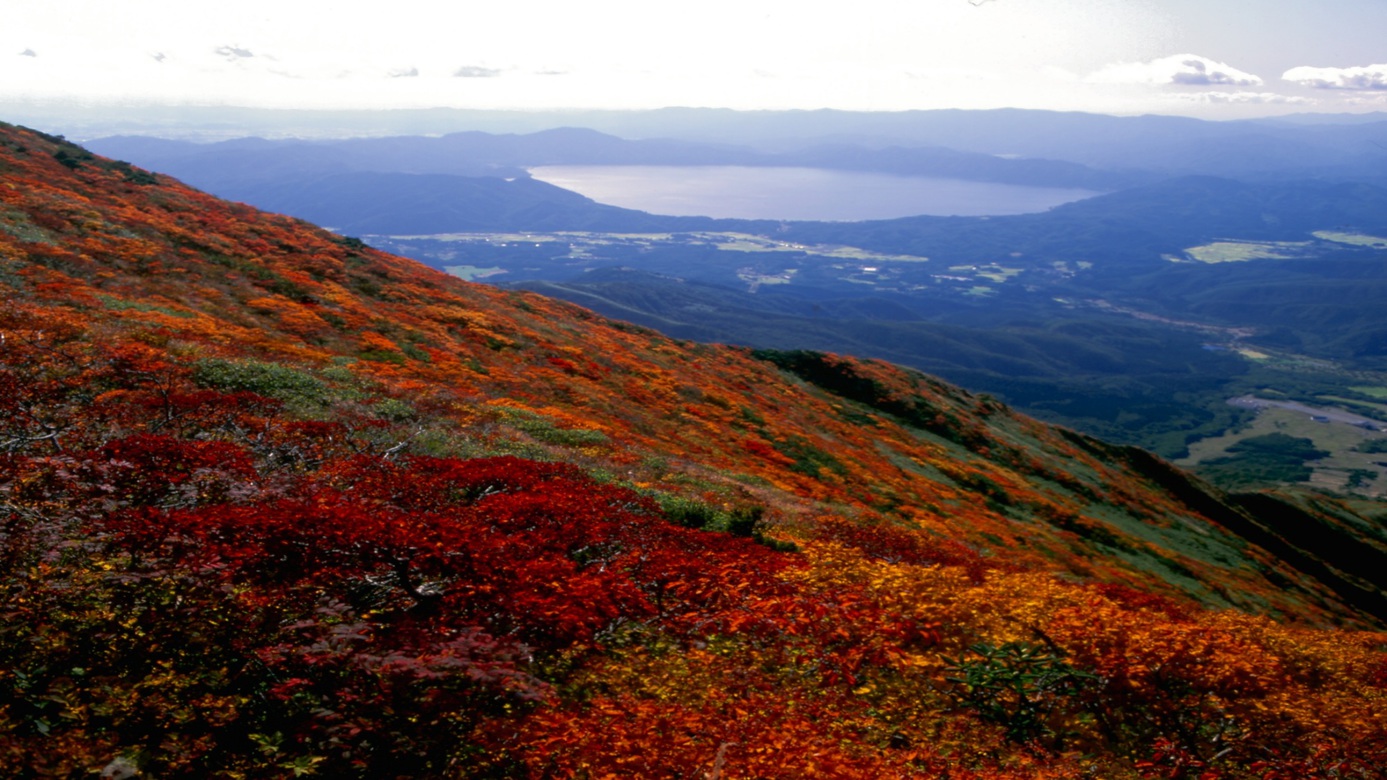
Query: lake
{"x":743,"y":192}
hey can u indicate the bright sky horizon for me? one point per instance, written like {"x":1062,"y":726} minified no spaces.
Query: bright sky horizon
{"x":1214,"y":59}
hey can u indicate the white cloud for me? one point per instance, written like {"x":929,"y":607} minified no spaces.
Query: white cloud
{"x":1372,"y":77}
{"x":476,"y":72}
{"x":233,"y":53}
{"x":1246,"y":98}
{"x":1184,"y":69}
{"x":771,"y":54}
{"x":1376,"y":101}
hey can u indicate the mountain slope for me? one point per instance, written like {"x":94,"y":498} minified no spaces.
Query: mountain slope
{"x":403,"y":203}
{"x":276,"y":502}
{"x":1125,"y":230}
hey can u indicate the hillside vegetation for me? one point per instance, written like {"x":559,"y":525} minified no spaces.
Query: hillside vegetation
{"x":273,"y":504}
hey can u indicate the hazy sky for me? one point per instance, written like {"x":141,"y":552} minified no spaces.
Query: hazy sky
{"x":1213,"y":58}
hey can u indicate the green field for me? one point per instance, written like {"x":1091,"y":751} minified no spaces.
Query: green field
{"x":1242,"y":251}
{"x":1333,"y":473}
{"x":992,"y":273}
{"x":472,"y":273}
{"x":1365,"y":406}
{"x":1355,"y":239}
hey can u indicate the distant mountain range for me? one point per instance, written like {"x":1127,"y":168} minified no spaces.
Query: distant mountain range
{"x":325,"y":181}
{"x":1343,"y":147}
{"x":231,"y":163}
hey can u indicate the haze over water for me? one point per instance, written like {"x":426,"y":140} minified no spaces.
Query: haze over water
{"x":744,"y":192}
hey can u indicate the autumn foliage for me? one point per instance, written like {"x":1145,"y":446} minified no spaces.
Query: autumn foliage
{"x":274,"y":504}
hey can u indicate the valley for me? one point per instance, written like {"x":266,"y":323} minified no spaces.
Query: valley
{"x":1345,"y":449}
{"x":705,"y":285}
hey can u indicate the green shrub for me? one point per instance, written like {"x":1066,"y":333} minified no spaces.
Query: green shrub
{"x":1016,"y":686}
{"x":743,"y":520}
{"x":808,"y":459}
{"x":115,"y":304}
{"x":394,"y":410}
{"x":688,"y":512}
{"x":543,"y":429}
{"x":268,"y":379}
{"x":1372,"y":446}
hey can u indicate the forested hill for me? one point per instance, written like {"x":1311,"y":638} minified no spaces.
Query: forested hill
{"x":274,"y":503}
